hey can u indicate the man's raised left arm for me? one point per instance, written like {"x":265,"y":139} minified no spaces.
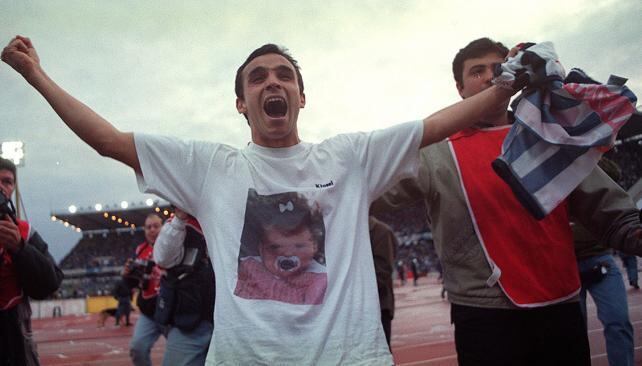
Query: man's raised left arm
{"x":463,"y":114}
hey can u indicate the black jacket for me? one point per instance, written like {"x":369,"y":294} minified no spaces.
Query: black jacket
{"x":38,"y":277}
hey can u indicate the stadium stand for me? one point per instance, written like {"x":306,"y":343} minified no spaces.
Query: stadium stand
{"x":628,"y":155}
{"x":109,"y":237}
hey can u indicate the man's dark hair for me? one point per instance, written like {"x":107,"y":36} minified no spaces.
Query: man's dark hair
{"x":6,"y":164}
{"x":477,"y":48}
{"x":265,"y":50}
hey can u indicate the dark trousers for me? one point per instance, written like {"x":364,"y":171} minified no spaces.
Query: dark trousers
{"x":386,"y":322}
{"x":546,"y":336}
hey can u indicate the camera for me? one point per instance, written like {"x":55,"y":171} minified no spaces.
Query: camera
{"x":139,"y":273}
{"x":7,"y":207}
{"x":594,"y":274}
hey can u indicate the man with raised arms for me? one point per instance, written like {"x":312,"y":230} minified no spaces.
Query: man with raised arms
{"x":218,"y":184}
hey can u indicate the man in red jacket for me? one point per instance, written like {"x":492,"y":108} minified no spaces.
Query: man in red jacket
{"x":143,"y":273}
{"x":26,"y":270}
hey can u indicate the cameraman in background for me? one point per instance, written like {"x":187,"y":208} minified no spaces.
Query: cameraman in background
{"x":143,"y":273}
{"x":26,"y":270}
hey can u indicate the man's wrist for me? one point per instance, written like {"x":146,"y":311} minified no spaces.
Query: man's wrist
{"x":177,"y":223}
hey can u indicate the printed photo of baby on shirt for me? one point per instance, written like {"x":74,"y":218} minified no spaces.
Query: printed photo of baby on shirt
{"x":282,"y":250}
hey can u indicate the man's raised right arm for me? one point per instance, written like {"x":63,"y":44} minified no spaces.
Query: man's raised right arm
{"x":83,"y":121}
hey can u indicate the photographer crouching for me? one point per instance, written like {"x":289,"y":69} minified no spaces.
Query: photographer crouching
{"x":27,"y":270}
{"x":141,"y":272}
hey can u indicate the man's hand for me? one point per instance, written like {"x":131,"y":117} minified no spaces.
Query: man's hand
{"x":180,"y":214}
{"x":21,"y":56}
{"x":10,"y":237}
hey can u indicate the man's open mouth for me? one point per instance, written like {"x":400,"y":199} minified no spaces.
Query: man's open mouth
{"x":275,"y":107}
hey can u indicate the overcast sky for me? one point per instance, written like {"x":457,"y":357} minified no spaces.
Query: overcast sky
{"x":168,"y":68}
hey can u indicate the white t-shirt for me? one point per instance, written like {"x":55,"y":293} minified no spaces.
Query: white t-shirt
{"x":340,"y":177}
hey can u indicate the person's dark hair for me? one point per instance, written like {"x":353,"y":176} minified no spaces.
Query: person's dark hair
{"x":477,"y":48}
{"x":6,"y":164}
{"x":265,"y":50}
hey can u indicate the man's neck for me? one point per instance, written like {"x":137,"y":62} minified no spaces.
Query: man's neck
{"x":501,"y":119}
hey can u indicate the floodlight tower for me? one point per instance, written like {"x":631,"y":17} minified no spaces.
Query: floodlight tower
{"x":14,"y":151}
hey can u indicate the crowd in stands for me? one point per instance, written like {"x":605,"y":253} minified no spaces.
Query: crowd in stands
{"x":102,"y":250}
{"x":410,"y":220}
{"x":415,"y":239}
{"x":628,"y":157}
{"x":94,"y":265}
{"x":79,"y":287}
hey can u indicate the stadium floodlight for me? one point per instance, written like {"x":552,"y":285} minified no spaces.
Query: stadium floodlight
{"x":98,"y":207}
{"x":14,"y":151}
{"x":73,"y":209}
{"x":149,"y":202}
{"x":124,"y":205}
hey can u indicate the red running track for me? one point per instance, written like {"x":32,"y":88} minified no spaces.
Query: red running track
{"x":422,"y":334}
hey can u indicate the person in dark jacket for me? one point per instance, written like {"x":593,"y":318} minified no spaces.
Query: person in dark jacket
{"x":27,"y":270}
{"x":123,"y":293}
{"x":384,"y":250}
{"x":186,"y":300}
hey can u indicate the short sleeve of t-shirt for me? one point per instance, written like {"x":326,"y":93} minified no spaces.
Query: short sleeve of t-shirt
{"x":174,"y":169}
{"x":388,"y":155}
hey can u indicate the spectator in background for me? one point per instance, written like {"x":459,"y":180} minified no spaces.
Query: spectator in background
{"x":186,"y":299}
{"x":27,"y":270}
{"x":414,"y":266}
{"x":384,"y":249}
{"x":143,"y":273}
{"x":401,"y":271}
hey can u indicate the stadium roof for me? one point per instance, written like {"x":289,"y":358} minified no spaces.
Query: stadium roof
{"x":110,"y":217}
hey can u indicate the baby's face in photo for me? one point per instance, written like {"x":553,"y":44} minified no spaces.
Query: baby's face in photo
{"x":286,"y":255}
